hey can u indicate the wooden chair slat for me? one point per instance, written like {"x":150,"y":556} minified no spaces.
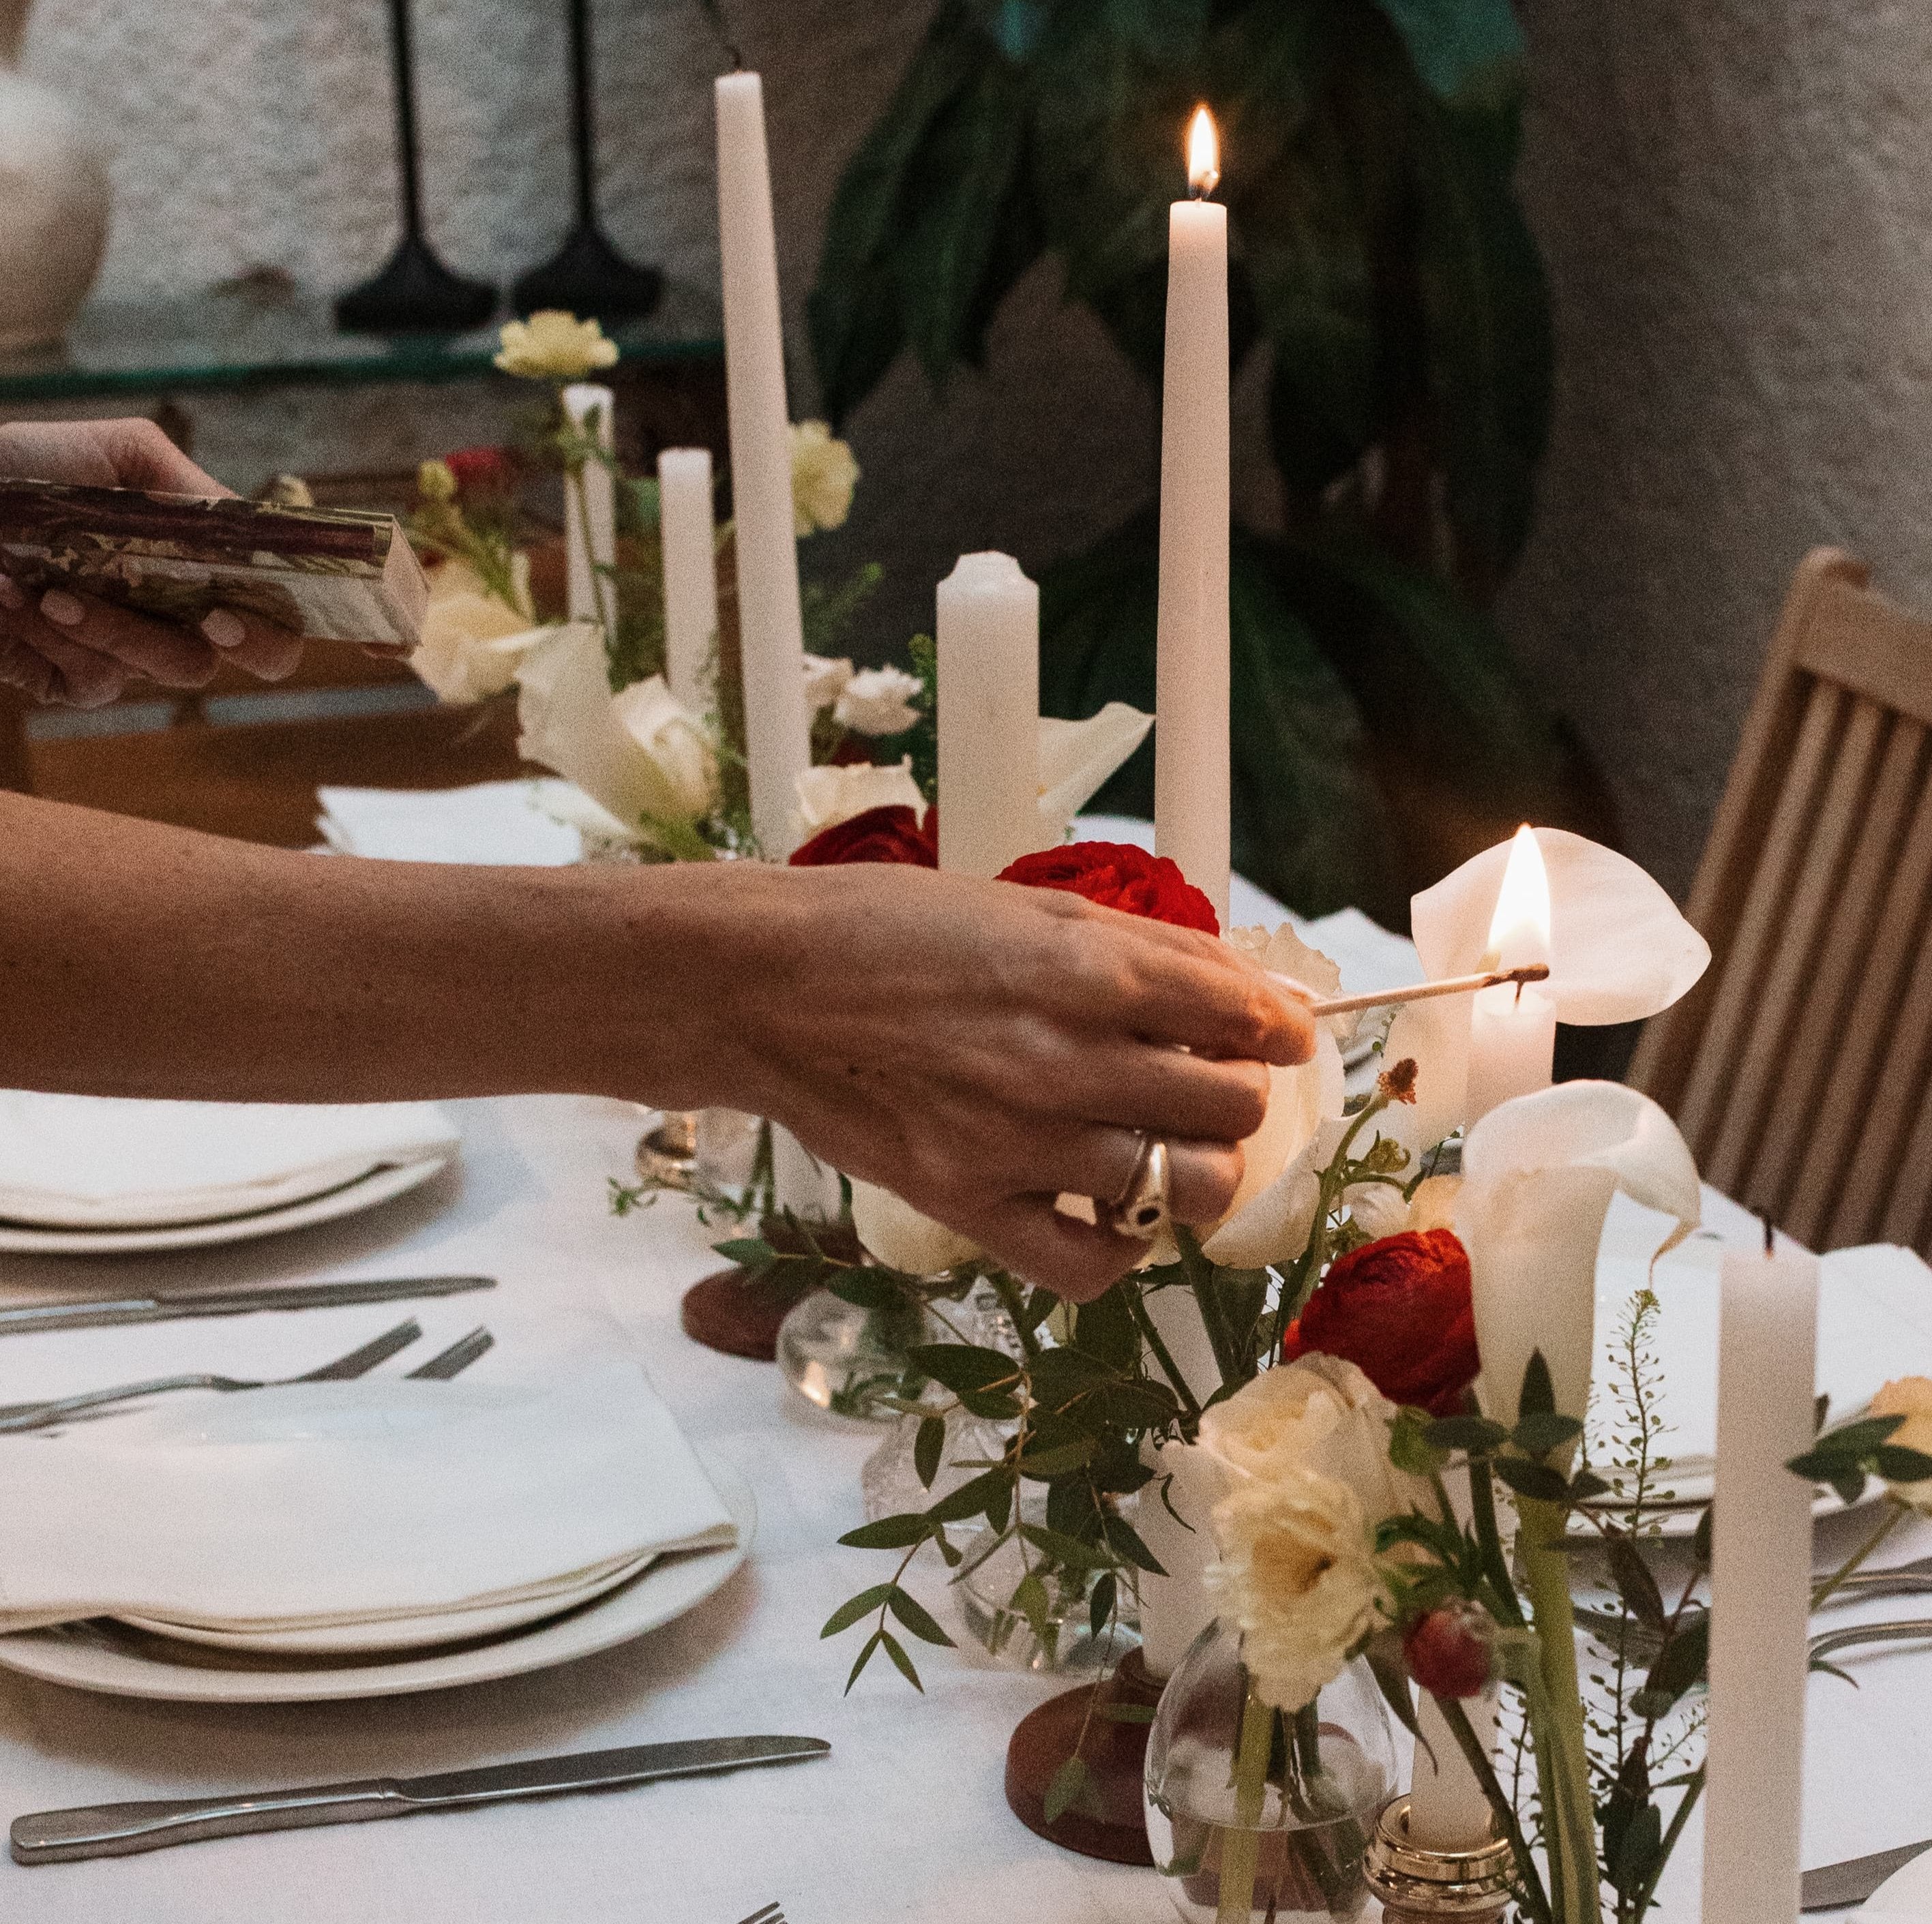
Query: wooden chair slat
{"x":1816,"y":1061}
{"x":1868,"y":1185}
{"x":1866,"y":645}
{"x":1904,"y":1220}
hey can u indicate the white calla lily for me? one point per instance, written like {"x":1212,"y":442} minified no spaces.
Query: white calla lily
{"x":1076,"y":758}
{"x":836,"y":793}
{"x":1538,"y":1174}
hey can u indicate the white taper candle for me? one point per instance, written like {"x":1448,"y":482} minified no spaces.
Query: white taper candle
{"x":987,"y":633}
{"x":771,"y":631}
{"x":1760,"y":1588}
{"x":690,"y":538}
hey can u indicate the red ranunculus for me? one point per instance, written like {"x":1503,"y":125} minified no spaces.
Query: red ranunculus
{"x":1399,"y":1310}
{"x":1117,"y":875}
{"x":877,"y":834}
{"x":1451,"y":1649}
{"x":481,"y":470}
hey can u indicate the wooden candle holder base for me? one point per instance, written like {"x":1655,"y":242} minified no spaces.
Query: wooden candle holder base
{"x":736,"y":1313}
{"x":1110,"y":1824}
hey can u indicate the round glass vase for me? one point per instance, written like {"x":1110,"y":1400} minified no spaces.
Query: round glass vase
{"x":1255,"y":1813}
{"x":855,"y":1363}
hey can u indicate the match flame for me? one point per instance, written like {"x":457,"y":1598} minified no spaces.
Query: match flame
{"x":1204,"y":152}
{"x":1519,"y":929}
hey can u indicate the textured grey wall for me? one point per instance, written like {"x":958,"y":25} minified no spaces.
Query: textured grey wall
{"x":1728,"y":196}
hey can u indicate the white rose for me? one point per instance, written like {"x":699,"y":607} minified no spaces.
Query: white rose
{"x":1320,"y":1416}
{"x":1433,"y":1205}
{"x":825,"y":680}
{"x":900,"y":1237}
{"x":1298,"y":1576}
{"x":829,"y":796}
{"x":877,"y":701}
{"x":823,"y":473}
{"x":554,"y":345}
{"x":472,"y":641}
{"x":1377,"y":1209}
{"x":570,"y":723}
{"x":674,"y":739}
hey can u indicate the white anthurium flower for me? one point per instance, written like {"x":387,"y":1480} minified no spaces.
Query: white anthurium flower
{"x":825,"y":679}
{"x":1619,"y":952}
{"x":832,"y":794}
{"x":472,"y":641}
{"x":570,"y":723}
{"x":877,"y":701}
{"x":1538,"y":1174}
{"x":901,"y":1238}
{"x":1076,"y":758}
{"x":675,"y":740}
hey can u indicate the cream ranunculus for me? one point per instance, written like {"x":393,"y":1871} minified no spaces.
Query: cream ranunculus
{"x":877,"y":701}
{"x":1076,"y":758}
{"x":825,"y":680}
{"x":472,"y":641}
{"x":1298,"y":1575}
{"x":570,"y":723}
{"x":832,"y":794}
{"x":900,"y":1237}
{"x":823,"y":473}
{"x":554,"y":345}
{"x":1909,"y":1397}
{"x":1319,"y":1415}
{"x":675,"y":740}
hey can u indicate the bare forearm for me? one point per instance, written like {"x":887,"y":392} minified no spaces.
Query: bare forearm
{"x":138,"y":960}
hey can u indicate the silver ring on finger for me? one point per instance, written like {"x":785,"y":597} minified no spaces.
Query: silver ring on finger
{"x":1141,"y":1208}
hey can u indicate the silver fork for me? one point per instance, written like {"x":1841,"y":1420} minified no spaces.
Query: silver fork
{"x":455,"y":1360}
{"x":1606,"y":1622}
{"x":358,"y":1362}
{"x":772,"y":1913}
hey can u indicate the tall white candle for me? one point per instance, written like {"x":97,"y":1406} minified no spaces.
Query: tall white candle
{"x":1760,"y":1588}
{"x":1190,"y":740}
{"x":771,"y":633}
{"x":987,"y":637}
{"x":588,"y":592}
{"x":1513,"y":1030}
{"x":1447,"y":1808}
{"x":690,"y":540}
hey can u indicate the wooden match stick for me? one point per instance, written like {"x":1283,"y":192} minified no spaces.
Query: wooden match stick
{"x":1450,"y":985}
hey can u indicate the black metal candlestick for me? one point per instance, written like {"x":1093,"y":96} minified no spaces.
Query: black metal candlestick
{"x":414,"y":292}
{"x":586,"y":274}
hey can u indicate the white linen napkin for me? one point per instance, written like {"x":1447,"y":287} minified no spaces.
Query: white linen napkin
{"x":507,"y":822}
{"x":349,"y":1503}
{"x":98,"y":1162}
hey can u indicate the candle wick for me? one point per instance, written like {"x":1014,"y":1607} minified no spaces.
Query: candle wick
{"x":1770,"y":1235}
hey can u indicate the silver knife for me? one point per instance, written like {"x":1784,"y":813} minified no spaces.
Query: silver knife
{"x":119,"y":1830}
{"x":24,"y":1318}
{"x":1832,"y":1886}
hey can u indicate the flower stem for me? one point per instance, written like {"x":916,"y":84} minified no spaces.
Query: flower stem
{"x":1894,"y":1512}
{"x":1241,"y":1841}
{"x":1532,"y":1896}
{"x":1137,"y":1307}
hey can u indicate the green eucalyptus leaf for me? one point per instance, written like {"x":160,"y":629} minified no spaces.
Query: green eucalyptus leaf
{"x":849,"y":1612}
{"x":1534,"y":1480}
{"x":894,"y":1532}
{"x":1070,"y":1787}
{"x":1538,"y":1396}
{"x":1476,"y":1434}
{"x":915,"y":1617}
{"x":894,"y":1649}
{"x":928,"y":1447}
{"x":977,"y":1497}
{"x":1635,"y":1584}
{"x":1548,"y":1430}
{"x":1100,"y":1603}
{"x":864,"y":1657}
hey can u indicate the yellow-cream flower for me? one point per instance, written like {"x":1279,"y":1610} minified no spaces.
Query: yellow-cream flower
{"x":1298,"y":1576}
{"x":435,"y":481}
{"x":823,"y":473}
{"x":554,"y":345}
{"x":1909,"y":1397}
{"x":472,"y":641}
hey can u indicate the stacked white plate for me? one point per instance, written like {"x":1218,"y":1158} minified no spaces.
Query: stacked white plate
{"x":92,"y":1176}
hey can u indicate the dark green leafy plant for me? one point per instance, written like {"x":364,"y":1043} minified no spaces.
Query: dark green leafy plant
{"x":1381,"y":731}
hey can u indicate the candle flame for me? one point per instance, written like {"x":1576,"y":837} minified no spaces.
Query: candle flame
{"x":1204,"y":152}
{"x":1519,"y":929}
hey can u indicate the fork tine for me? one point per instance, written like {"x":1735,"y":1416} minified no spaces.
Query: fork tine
{"x":360,"y":1361}
{"x":772,"y":1913}
{"x":452,"y":1361}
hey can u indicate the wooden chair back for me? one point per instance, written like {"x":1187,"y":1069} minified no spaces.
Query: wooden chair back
{"x":1800,"y":1068}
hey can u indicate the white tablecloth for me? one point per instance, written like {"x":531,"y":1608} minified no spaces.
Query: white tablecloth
{"x":905,"y":1821}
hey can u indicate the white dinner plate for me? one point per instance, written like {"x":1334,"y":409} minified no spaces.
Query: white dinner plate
{"x":398,"y":1633}
{"x":128,"y":1664}
{"x":378,"y":1185}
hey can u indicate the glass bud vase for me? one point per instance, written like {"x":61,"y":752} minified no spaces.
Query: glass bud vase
{"x":1255,"y":1813}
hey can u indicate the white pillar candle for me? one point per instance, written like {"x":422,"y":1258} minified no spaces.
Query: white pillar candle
{"x":987,"y":634}
{"x":1191,"y":775}
{"x":690,"y":540}
{"x":1513,"y":1028}
{"x":589,"y":594}
{"x":771,"y":633}
{"x":1760,"y":1588}
{"x":1447,"y":1808}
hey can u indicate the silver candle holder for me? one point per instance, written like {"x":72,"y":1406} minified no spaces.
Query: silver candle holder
{"x":1419,"y":1886}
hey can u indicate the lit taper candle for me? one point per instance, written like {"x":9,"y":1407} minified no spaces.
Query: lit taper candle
{"x":987,"y":637}
{"x":771,"y":631}
{"x":1512,"y":1030}
{"x":690,"y":538}
{"x":1190,"y":738}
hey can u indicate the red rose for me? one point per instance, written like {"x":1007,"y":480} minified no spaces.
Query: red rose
{"x":1117,"y":875}
{"x":1450,"y":1649}
{"x":877,"y":834}
{"x":481,"y":470}
{"x":1399,"y":1310}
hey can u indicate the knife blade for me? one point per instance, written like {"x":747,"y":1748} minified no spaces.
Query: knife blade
{"x":1831,"y":1886}
{"x":21,"y":1319}
{"x":120,"y":1830}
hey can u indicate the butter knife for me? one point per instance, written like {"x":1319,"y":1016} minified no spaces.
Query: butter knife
{"x":119,"y":1830}
{"x":21,"y":1319}
{"x":1832,"y":1886}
